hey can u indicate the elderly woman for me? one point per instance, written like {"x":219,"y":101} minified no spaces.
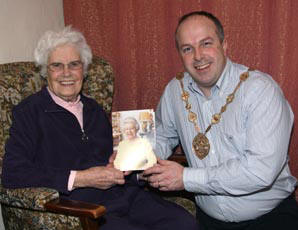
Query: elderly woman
{"x":63,"y":140}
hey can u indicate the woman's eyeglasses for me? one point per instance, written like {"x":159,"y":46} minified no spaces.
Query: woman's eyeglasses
{"x":59,"y":67}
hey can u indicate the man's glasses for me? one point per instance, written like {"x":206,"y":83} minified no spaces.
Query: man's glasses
{"x":59,"y":67}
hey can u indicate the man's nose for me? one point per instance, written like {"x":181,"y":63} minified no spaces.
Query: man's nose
{"x":197,"y":54}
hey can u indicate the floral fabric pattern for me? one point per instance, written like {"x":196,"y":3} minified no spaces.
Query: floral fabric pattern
{"x":26,"y":219}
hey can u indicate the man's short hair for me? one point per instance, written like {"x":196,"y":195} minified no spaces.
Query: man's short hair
{"x":215,"y":20}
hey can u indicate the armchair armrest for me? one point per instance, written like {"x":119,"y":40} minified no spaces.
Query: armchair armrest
{"x":47,"y":200}
{"x":75,"y":208}
{"x":181,"y":159}
{"x":27,"y":198}
{"x":88,"y":213}
{"x":178,"y":155}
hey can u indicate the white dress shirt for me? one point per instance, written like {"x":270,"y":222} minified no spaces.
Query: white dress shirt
{"x":246,"y":172}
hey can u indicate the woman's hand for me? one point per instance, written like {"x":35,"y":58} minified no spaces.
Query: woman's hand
{"x":112,"y":159}
{"x":111,"y":163}
{"x":102,"y":177}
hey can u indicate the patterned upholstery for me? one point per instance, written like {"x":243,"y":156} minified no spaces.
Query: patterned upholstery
{"x":23,"y":208}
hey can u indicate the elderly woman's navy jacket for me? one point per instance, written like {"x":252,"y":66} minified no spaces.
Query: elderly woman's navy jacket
{"x":46,"y":142}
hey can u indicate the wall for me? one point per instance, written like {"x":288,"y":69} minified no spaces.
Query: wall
{"x":22,"y":22}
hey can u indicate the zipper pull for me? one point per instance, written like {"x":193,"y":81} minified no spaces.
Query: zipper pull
{"x":84,"y":136}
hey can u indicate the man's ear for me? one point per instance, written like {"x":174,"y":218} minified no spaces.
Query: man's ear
{"x":225,"y":46}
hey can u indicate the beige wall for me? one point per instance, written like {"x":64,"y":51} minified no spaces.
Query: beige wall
{"x":22,"y":22}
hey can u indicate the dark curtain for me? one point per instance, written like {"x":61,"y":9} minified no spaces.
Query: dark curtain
{"x":136,"y":37}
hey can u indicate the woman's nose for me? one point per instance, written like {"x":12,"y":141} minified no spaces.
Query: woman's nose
{"x":66,"y":70}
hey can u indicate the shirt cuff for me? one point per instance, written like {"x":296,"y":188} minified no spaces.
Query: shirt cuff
{"x":194,"y":179}
{"x":71,"y":179}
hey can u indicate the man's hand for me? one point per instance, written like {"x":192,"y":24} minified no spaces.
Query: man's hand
{"x":99,"y":177}
{"x":165,"y":175}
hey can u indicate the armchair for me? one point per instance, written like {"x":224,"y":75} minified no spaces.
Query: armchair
{"x":41,"y":208}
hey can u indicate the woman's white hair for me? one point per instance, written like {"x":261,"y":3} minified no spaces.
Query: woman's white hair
{"x":51,"y":40}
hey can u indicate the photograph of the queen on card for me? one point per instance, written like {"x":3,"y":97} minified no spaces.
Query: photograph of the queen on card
{"x":134,"y":139}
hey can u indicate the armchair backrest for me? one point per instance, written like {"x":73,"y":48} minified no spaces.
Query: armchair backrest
{"x":21,"y":79}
